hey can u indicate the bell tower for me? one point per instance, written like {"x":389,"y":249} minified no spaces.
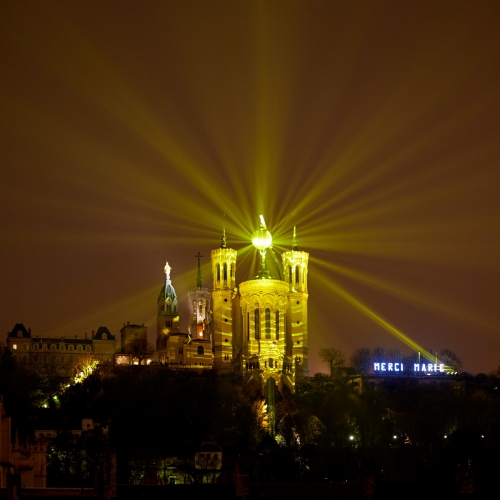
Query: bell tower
{"x":223,"y":299}
{"x":295,"y":270}
{"x":200,"y":308}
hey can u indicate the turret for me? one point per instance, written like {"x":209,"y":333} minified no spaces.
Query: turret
{"x":223,"y":295}
{"x":295,"y":265}
{"x":168,"y":313}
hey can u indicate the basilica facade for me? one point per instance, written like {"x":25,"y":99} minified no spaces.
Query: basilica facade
{"x":257,"y":328}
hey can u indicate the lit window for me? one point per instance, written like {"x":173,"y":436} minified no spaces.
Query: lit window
{"x":268,"y":323}
{"x":277,"y":325}
{"x":257,"y":324}
{"x":14,"y":346}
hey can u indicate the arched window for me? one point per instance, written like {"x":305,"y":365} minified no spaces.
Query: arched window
{"x":225,"y":271}
{"x":201,"y":351}
{"x":248,"y":326}
{"x":290,"y":274}
{"x":297,"y":274}
{"x":271,"y":362}
{"x":268,"y":323}
{"x":277,"y":325}
{"x":257,"y":324}
{"x":218,"y":272}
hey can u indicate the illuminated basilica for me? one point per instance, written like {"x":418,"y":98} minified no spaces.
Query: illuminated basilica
{"x":257,"y":329}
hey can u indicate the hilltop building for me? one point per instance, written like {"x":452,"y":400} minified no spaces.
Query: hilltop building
{"x":258,"y":329}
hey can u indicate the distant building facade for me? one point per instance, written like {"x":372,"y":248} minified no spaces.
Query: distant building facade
{"x":57,"y":356}
{"x":28,"y":460}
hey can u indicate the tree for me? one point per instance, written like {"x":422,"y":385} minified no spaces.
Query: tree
{"x":449,"y":358}
{"x":361,"y":360}
{"x":84,"y":366}
{"x":140,"y":350}
{"x":334,"y":358}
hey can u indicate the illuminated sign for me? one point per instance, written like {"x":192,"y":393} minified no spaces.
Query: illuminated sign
{"x":400,"y":367}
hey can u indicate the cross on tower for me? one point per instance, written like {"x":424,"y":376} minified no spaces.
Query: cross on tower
{"x":198,"y":278}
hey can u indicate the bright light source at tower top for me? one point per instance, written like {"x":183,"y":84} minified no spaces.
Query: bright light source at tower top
{"x":262,"y":238}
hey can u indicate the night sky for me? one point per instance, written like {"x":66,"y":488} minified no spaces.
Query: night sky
{"x":127,"y":128}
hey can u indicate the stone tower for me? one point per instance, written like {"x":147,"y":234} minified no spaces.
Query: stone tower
{"x":224,"y":304}
{"x":295,"y":271}
{"x":200,"y":308}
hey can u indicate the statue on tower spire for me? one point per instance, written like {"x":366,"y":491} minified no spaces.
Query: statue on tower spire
{"x":167,"y":270}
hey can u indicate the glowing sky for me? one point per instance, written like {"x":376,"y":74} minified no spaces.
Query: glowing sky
{"x":128,"y":127}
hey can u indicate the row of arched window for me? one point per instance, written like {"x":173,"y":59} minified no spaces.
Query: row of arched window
{"x":255,"y":365}
{"x":224,"y":271}
{"x":294,"y":275}
{"x":267,"y":324}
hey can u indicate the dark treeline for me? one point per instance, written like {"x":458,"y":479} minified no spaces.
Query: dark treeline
{"x":401,"y":430}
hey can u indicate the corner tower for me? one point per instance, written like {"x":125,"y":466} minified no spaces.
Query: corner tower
{"x":295,"y":265}
{"x":167,"y":319}
{"x":200,"y":309}
{"x":224,"y":300}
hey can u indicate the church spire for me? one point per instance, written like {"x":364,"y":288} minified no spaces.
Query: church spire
{"x":198,"y":278}
{"x":223,"y":239}
{"x":295,"y":241}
